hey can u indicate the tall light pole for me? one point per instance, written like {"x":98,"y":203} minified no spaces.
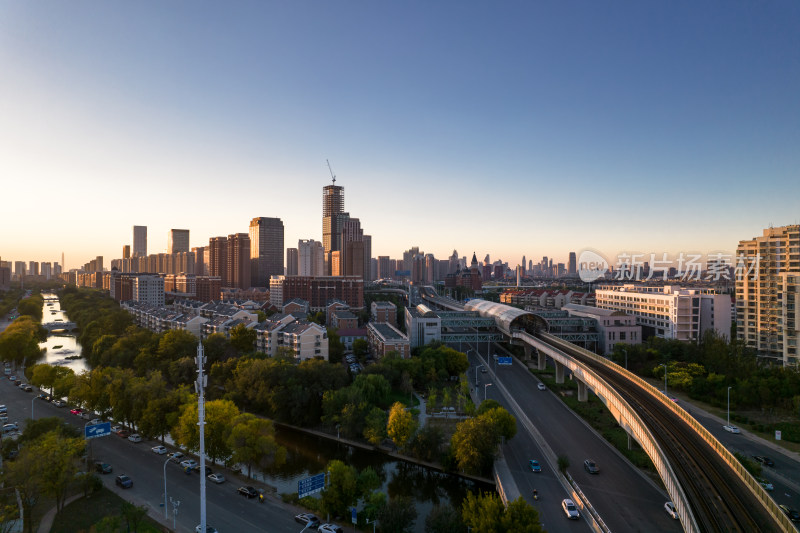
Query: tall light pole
{"x":484,"y":390}
{"x":32,"y":400}
{"x":729,"y":405}
{"x":665,"y":379}
{"x":166,"y":511}
{"x":626,"y":358}
{"x":201,"y":421}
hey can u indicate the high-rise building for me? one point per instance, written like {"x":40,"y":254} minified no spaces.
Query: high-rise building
{"x":292,"y":261}
{"x":332,"y":219}
{"x":200,"y":261}
{"x":19,"y":269}
{"x":47,"y":270}
{"x":573,"y":264}
{"x":177,"y":241}
{"x":126,"y":251}
{"x":218,"y":259}
{"x":311,"y":260}
{"x":767,"y":275}
{"x":239,"y":270}
{"x":266,"y":249}
{"x":33,"y":268}
{"x":385,"y":270}
{"x":140,"y":240}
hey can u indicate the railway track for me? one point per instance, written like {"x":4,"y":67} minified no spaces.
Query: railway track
{"x":718,"y":500}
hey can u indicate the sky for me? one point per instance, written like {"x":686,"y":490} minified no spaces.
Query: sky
{"x":505,"y":128}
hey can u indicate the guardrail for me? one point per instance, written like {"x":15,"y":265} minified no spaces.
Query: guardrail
{"x":627,"y":418}
{"x":755,"y":488}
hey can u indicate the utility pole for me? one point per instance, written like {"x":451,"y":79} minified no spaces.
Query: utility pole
{"x":200,"y":385}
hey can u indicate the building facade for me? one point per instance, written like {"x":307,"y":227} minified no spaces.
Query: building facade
{"x":266,"y":249}
{"x":140,"y":240}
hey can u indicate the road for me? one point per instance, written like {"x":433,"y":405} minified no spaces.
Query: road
{"x":226,"y":510}
{"x":623,"y":497}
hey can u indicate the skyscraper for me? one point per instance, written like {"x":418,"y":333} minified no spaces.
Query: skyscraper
{"x":126,"y":251}
{"x":139,"y":240}
{"x":266,"y":250}
{"x":573,"y":264}
{"x":177,"y":241}
{"x":293,"y":261}
{"x":311,"y":260}
{"x":218,"y":259}
{"x":332,"y":211}
{"x":239,"y":260}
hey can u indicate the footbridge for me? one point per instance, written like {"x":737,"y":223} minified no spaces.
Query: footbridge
{"x":709,"y":487}
{"x":54,"y":326}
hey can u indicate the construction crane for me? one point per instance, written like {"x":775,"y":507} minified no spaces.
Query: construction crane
{"x":333,"y":176}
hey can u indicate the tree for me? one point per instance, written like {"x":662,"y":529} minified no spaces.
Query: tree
{"x":133,"y":515}
{"x":342,"y":490}
{"x":474,"y":445}
{"x":43,"y":376}
{"x":335,"y":347}
{"x":401,"y":425}
{"x":487,"y":514}
{"x":19,"y":342}
{"x":444,"y":519}
{"x":252,"y":441}
{"x":360,"y":348}
{"x":31,"y":307}
{"x":427,"y":443}
{"x":563,"y":463}
{"x":375,"y":426}
{"x":504,"y":422}
{"x":22,"y":473}
{"x":243,"y":339}
{"x":220,"y":415}
{"x":397,"y":516}
{"x":486,"y":405}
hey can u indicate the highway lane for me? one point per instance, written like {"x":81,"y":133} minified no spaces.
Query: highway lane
{"x":226,"y":510}
{"x":623,"y":497}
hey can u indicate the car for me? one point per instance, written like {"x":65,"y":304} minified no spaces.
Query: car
{"x":541,"y":386}
{"x":190,"y":464}
{"x":12,"y":378}
{"x":732,"y":429}
{"x":764,"y":460}
{"x":124,"y":433}
{"x":3,"y":409}
{"x":209,"y":529}
{"x":208,"y":470}
{"x":591,"y":467}
{"x":11,"y":426}
{"x":307,"y":519}
{"x":115,"y":429}
{"x":176,"y":457}
{"x":123,"y":481}
{"x":535,"y":466}
{"x":569,"y":509}
{"x":669,"y":507}
{"x":160,"y":450}
{"x":59,"y":403}
{"x":76,"y":411}
{"x":41,"y":396}
{"x":103,"y":468}
{"x":793,"y":515}
{"x":330,"y":528}
{"x":3,"y":417}
{"x":250,"y":492}
{"x":766,"y":484}
{"x":135,"y":438}
{"x":95,"y":421}
{"x":216,"y":478}
{"x":483,"y":370}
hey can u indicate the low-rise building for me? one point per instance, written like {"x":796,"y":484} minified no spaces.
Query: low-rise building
{"x":306,"y":339}
{"x":612,"y":326}
{"x":384,"y":312}
{"x":343,"y":319}
{"x":385,"y":338}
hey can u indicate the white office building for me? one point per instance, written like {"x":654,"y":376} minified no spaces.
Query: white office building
{"x":148,"y":289}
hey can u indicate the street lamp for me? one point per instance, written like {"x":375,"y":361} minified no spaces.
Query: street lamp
{"x":729,"y":406}
{"x":166,"y":512}
{"x":32,"y":400}
{"x":484,"y":390}
{"x":665,"y":379}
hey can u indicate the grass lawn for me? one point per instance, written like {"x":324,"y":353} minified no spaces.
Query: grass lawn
{"x":83,"y":513}
{"x":402,"y":397}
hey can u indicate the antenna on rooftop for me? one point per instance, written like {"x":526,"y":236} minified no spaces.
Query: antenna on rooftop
{"x":333,"y":176}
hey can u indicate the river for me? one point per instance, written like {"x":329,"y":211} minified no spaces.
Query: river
{"x":60,"y":346}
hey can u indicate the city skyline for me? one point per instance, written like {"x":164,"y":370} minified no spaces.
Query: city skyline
{"x":516,"y":130}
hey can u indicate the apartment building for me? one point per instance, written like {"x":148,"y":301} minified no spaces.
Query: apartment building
{"x":384,"y":312}
{"x":612,"y":326}
{"x":384,"y":338}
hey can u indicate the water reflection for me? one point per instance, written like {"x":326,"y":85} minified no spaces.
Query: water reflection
{"x":62,"y":348}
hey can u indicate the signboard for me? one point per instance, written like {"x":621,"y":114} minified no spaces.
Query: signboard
{"x":97,"y":430}
{"x":353,"y":515}
{"x":504,"y":361}
{"x":777,"y":434}
{"x":310,"y":485}
{"x":402,"y":273}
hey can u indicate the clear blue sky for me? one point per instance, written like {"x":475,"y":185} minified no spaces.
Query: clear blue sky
{"x":506,"y":128}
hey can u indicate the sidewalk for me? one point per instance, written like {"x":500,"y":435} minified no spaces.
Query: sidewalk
{"x":47,"y":519}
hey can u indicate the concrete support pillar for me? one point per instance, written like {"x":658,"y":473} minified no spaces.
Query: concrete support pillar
{"x":559,"y":372}
{"x":527,"y":349}
{"x":630,"y":441}
{"x":542,"y":360}
{"x":583,"y":391}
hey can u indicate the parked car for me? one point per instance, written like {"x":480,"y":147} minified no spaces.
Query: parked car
{"x":250,"y":492}
{"x":3,"y":409}
{"x":535,"y":466}
{"x":176,"y":457}
{"x":12,"y":378}
{"x":95,"y":421}
{"x":216,"y":478}
{"x":330,"y":528}
{"x":307,"y":519}
{"x":103,"y":468}
{"x":764,"y":460}
{"x":483,"y":370}
{"x":3,"y":417}
{"x":160,"y":450}
{"x":189,"y":463}
{"x":569,"y":509}
{"x":124,"y":433}
{"x":26,"y":387}
{"x":732,"y":429}
{"x":766,"y":484}
{"x":115,"y":429}
{"x":124,"y":481}
{"x":41,"y":396}
{"x":76,"y":411}
{"x":11,"y":426}
{"x":669,"y":507}
{"x":135,"y":438}
{"x":591,"y":467}
{"x":541,"y":386}
{"x":59,"y":403}
{"x":793,"y":515}
{"x":209,"y":529}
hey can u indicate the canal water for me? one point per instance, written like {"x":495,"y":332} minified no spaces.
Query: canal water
{"x":62,"y":348}
{"x":307,"y":455}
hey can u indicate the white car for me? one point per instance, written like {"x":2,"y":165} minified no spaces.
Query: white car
{"x":216,"y":478}
{"x":95,"y":421}
{"x":191,"y":464}
{"x":541,"y":386}
{"x":209,"y":529}
{"x":669,"y":507}
{"x":731,"y":429}
{"x":59,"y":403}
{"x":176,"y":456}
{"x":330,"y":528}
{"x":569,"y":509}
{"x":160,"y":450}
{"x":135,"y":438}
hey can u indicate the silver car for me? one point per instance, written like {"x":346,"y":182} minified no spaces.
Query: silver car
{"x":569,"y":509}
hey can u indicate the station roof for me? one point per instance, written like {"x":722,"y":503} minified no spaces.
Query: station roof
{"x":503,"y":315}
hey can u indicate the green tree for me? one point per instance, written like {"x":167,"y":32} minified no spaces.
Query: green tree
{"x":43,"y":376}
{"x":397,"y":516}
{"x":401,"y":425}
{"x":504,"y":422}
{"x":444,"y":519}
{"x":342,"y":490}
{"x":252,"y":441}
{"x":487,"y":405}
{"x":335,"y":347}
{"x":220,"y":415}
{"x":133,"y":515}
{"x":243,"y":339}
{"x":427,"y":443}
{"x":19,"y":342}
{"x":486,"y":513}
{"x":31,"y":307}
{"x":474,"y":445}
{"x":375,"y":426}
{"x":23,"y":474}
{"x":360,"y":348}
